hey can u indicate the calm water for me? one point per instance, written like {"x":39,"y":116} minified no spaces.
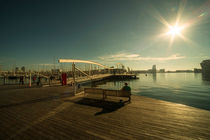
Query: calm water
{"x":183,"y":88}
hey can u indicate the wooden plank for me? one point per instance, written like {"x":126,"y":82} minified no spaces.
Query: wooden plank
{"x":47,"y":113}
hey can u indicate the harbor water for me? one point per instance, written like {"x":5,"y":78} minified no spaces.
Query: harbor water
{"x":184,"y":88}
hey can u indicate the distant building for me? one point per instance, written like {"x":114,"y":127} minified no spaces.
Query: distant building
{"x":23,"y":69}
{"x":154,"y":69}
{"x":169,"y":71}
{"x":184,"y":71}
{"x":140,"y":71}
{"x":149,"y":70}
{"x":162,"y":70}
{"x":197,"y":70}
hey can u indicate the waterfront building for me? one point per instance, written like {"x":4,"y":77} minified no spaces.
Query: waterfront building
{"x":205,"y":65}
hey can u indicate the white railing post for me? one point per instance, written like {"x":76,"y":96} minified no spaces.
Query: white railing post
{"x":73,"y":74}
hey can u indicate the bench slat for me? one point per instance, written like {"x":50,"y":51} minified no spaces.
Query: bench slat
{"x":107,"y":92}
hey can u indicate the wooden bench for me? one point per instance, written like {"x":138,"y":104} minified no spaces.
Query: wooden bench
{"x":107,"y":92}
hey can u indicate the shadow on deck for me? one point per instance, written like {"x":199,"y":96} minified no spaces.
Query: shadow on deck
{"x":107,"y":106}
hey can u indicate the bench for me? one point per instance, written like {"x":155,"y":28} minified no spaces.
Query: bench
{"x":107,"y":92}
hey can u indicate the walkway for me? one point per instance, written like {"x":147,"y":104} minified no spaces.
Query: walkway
{"x":53,"y":113}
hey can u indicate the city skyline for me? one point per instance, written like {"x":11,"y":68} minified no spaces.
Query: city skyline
{"x":133,"y":33}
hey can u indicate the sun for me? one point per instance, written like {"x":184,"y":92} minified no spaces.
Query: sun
{"x":178,"y":28}
{"x":174,"y":30}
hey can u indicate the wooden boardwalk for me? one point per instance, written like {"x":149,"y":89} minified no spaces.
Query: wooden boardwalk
{"x":53,"y":113}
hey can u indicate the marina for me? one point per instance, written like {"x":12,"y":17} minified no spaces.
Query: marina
{"x":63,"y":77}
{"x":78,"y":80}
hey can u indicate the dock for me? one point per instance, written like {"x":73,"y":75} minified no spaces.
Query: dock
{"x":54,"y":113}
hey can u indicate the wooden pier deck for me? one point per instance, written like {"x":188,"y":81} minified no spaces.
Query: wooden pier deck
{"x":53,"y":113}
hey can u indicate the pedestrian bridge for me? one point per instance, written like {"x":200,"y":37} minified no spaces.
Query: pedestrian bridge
{"x":108,"y":71}
{"x":89,"y":75}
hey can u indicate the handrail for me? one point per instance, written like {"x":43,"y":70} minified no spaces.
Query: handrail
{"x":81,"y":61}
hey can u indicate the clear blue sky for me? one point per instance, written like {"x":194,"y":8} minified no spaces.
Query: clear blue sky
{"x":105,"y":31}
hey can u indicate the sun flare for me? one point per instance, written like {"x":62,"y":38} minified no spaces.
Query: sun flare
{"x":174,"y":30}
{"x":178,"y":29}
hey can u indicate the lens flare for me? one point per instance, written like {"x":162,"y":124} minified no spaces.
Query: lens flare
{"x":179,"y":26}
{"x":174,"y":30}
